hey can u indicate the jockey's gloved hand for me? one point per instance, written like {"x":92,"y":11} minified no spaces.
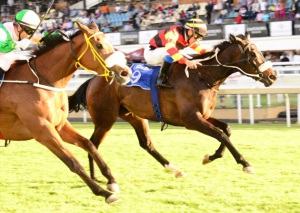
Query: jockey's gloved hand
{"x":23,"y":44}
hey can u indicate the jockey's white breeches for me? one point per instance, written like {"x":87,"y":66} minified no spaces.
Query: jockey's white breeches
{"x":155,"y":57}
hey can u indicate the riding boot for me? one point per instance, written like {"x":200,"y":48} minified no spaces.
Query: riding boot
{"x":162,"y":80}
{"x":1,"y":71}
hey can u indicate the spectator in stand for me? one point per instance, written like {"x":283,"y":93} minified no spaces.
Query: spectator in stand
{"x":105,"y":28}
{"x":209,"y":9}
{"x":265,"y":16}
{"x":145,"y":22}
{"x":293,"y":10}
{"x":85,"y":19}
{"x":182,"y":17}
{"x":118,"y":8}
{"x":133,"y":22}
{"x":297,"y":6}
{"x":280,"y":9}
{"x":238,"y":19}
{"x":67,"y":25}
{"x":105,"y":9}
{"x":98,"y":12}
{"x":284,"y":58}
{"x":93,"y":18}
{"x":229,"y":6}
{"x":194,"y":14}
{"x":192,"y":7}
{"x":128,"y":27}
{"x":263,"y":5}
{"x":268,"y":55}
{"x":66,"y":12}
{"x":73,"y":13}
{"x":187,"y":16}
{"x":130,"y":6}
{"x":219,"y":20}
{"x":258,"y":17}
{"x":255,"y":8}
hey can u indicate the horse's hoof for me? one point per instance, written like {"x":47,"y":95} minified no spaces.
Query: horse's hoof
{"x":206,"y":159}
{"x":113,"y":187}
{"x":180,"y":174}
{"x":248,"y":169}
{"x":112,"y":199}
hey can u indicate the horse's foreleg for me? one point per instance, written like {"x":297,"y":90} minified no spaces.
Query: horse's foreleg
{"x":48,"y":136}
{"x":220,"y":151}
{"x":205,"y":127}
{"x":141,"y":128}
{"x":69,"y":135}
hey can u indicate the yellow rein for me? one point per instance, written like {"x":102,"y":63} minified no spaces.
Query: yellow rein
{"x":96,"y":57}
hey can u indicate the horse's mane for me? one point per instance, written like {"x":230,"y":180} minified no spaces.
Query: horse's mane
{"x":49,"y":42}
{"x":221,"y":46}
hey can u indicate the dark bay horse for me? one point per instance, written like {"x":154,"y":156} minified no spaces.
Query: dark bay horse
{"x":189,"y":103}
{"x":36,"y":106}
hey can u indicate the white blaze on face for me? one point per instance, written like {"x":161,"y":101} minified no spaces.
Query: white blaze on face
{"x":117,"y":58}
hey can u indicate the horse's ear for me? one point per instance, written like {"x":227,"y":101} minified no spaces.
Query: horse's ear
{"x":81,"y":26}
{"x":232,"y":38}
{"x":93,"y":25}
{"x":247,"y":34}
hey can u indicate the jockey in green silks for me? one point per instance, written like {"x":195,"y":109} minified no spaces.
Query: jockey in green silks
{"x":14,"y":36}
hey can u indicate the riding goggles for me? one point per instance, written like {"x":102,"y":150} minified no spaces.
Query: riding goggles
{"x":28,"y":31}
{"x":197,"y":36}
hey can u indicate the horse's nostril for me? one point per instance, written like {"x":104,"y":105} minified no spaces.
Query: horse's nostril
{"x":124,"y":73}
{"x":273,"y":77}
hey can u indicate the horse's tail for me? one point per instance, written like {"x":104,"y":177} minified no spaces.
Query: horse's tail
{"x":77,"y":101}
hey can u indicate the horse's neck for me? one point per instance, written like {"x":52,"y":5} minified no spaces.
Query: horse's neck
{"x":57,"y":66}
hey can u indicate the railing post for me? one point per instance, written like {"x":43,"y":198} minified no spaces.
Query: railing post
{"x":239,"y":107}
{"x":251,"y":113}
{"x":269,"y":99}
{"x":258,"y":103}
{"x":84,"y":113}
{"x":287,"y":109}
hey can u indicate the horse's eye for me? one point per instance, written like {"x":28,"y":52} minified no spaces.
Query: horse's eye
{"x":99,"y":46}
{"x":253,"y":54}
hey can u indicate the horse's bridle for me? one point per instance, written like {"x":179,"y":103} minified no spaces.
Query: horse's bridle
{"x":258,"y":70}
{"x":95,"y":54}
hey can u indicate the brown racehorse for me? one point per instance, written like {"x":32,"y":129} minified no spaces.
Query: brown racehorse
{"x":189,"y":103}
{"x":36,"y":107}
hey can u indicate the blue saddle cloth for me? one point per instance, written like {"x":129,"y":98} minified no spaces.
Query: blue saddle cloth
{"x":145,"y":76}
{"x":141,"y":75}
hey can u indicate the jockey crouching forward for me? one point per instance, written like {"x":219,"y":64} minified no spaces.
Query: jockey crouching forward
{"x":14,"y":36}
{"x":164,"y":47}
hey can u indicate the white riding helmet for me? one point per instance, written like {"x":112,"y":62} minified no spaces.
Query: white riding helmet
{"x":197,"y":25}
{"x":28,"y":18}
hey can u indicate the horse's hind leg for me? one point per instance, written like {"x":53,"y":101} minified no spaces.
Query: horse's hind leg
{"x":69,"y":135}
{"x":220,"y":151}
{"x":141,"y":128}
